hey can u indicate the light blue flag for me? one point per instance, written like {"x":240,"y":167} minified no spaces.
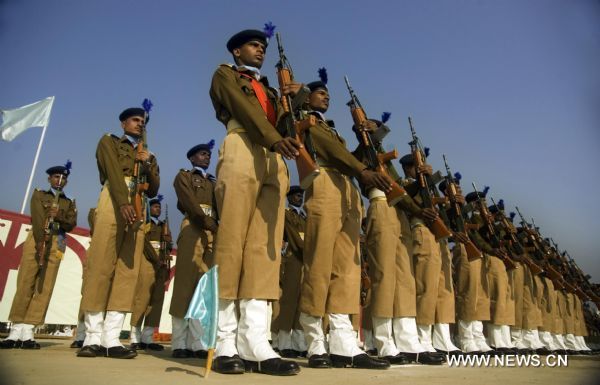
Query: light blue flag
{"x":204,"y":306}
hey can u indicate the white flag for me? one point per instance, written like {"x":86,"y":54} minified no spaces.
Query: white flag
{"x":14,"y":122}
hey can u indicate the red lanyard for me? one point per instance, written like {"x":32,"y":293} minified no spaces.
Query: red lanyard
{"x":264,"y":101}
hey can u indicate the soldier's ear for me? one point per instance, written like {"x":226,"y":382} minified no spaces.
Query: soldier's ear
{"x":236,"y":54}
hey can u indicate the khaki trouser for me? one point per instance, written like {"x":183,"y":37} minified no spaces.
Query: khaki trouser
{"x":288,"y":314}
{"x":390,"y":266}
{"x":33,"y":294}
{"x":570,"y":318}
{"x":143,"y":292}
{"x":548,"y":306}
{"x":472,"y":299}
{"x":331,"y":281}
{"x":157,"y":298}
{"x":501,"y":304}
{"x":532,"y":317}
{"x":194,"y":257}
{"x":113,"y":266}
{"x":581,"y":329}
{"x":516,"y":279}
{"x":561,"y":315}
{"x":250,"y":194}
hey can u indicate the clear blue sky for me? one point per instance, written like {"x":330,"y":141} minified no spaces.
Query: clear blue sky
{"x":508,"y":90}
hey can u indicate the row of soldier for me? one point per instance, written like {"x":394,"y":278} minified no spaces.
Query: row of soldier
{"x":238,"y":219}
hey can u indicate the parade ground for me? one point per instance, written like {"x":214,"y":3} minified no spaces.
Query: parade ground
{"x":56,"y":363}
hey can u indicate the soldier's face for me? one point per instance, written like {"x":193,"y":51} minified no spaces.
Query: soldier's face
{"x":296,"y":199}
{"x":409,"y":171}
{"x":319,"y":100}
{"x":133,"y":126}
{"x":56,"y":181}
{"x":251,"y":54}
{"x":201,"y":159}
{"x":155,"y":210}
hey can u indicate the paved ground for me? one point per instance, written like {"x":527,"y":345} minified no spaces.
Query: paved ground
{"x":56,"y":364}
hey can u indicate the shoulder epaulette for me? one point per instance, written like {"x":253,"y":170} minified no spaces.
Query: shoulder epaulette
{"x":227,"y":65}
{"x":184,"y":170}
{"x":113,"y":135}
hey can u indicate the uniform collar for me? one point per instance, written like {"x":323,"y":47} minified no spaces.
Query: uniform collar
{"x":255,"y":72}
{"x":155,"y":220}
{"x":131,"y":139}
{"x":299,"y":210}
{"x":201,"y":170}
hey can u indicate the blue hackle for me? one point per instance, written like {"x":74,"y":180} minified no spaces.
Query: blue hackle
{"x":147,"y":105}
{"x":269,"y":29}
{"x":485,"y":190}
{"x":385,"y":116}
{"x":457,"y":176}
{"x":323,"y":74}
{"x":68,"y":164}
{"x":512,"y":215}
{"x":211,"y":144}
{"x":159,"y":198}
{"x":501,"y":204}
{"x":426,"y":151}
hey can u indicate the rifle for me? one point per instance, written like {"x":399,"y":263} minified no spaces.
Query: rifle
{"x":584,"y":282}
{"x":491,"y":231}
{"x":296,"y":126}
{"x":140,"y":182}
{"x":514,"y":242}
{"x":473,"y":252}
{"x":165,"y":247}
{"x":375,"y":160}
{"x":438,"y":227}
{"x":50,"y":228}
{"x":571,"y":279}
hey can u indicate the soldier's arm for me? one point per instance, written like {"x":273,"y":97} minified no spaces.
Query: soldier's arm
{"x":187,"y":199}
{"x":231,"y":97}
{"x":335,"y":153}
{"x":38,"y":216}
{"x":68,"y":218}
{"x":153,"y":175}
{"x":150,"y":253}
{"x":108,"y":164}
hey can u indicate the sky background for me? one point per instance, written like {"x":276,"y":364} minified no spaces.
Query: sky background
{"x":508,"y":90}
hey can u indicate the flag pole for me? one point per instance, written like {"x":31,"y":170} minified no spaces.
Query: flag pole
{"x":37,"y":155}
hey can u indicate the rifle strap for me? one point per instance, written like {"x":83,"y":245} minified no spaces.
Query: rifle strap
{"x":264,"y":101}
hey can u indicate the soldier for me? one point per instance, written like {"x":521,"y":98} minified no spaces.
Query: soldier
{"x":391,"y":270}
{"x":290,"y":336}
{"x":195,"y":200}
{"x":331,"y":282}
{"x":433,"y":276}
{"x":252,"y":181}
{"x":116,"y":248}
{"x":53,"y":214}
{"x":154,"y":272}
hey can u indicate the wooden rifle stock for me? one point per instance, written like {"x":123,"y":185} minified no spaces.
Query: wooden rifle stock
{"x":140,"y":187}
{"x":44,"y":246}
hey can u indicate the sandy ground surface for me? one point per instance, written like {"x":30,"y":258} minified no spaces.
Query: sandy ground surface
{"x":56,"y":363}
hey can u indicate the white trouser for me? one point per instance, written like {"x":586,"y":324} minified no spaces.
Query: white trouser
{"x":342,"y":338}
{"x":495,"y":336}
{"x":424,"y":332}
{"x":383,"y":336}
{"x":194,"y":335}
{"x":135,"y":335}
{"x":226,"y":330}
{"x":570,"y":342}
{"x":80,"y":336}
{"x":369,"y":343}
{"x":113,"y":323}
{"x":93,"y":328}
{"x":548,"y":341}
{"x":560,"y":341}
{"x":581,"y":343}
{"x":298,"y":340}
{"x":531,"y":339}
{"x":466,"y":338}
{"x":313,"y":331}
{"x":480,"y":337}
{"x":506,"y":336}
{"x":516,"y":337}
{"x":148,"y":334}
{"x":284,"y":340}
{"x":179,"y":333}
{"x":252,"y":335}
{"x":442,"y":339}
{"x":16,"y":332}
{"x":27,"y":332}
{"x":406,"y":336}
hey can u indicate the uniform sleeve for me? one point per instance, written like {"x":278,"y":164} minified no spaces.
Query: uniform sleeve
{"x":150,"y":253}
{"x":292,"y":236}
{"x":68,"y":217}
{"x":108,"y":165}
{"x":153,"y":176}
{"x":227,"y":95}
{"x":335,"y":153}
{"x":186,"y":198}
{"x":481,"y":243}
{"x":38,"y":216}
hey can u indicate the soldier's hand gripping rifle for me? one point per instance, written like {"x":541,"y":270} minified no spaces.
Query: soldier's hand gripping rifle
{"x":376,"y":161}
{"x":488,"y":226}
{"x":473,"y":252}
{"x":584,"y":282}
{"x":166,"y":241}
{"x":139,"y":179}
{"x":296,"y":125}
{"x":426,"y":188}
{"x":571,"y":279}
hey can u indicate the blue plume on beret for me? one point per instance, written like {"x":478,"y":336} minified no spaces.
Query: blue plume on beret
{"x":512,"y":215}
{"x":485,"y":190}
{"x":501,"y":204}
{"x":385,"y":116}
{"x":269,"y":29}
{"x":457,"y":176}
{"x":426,"y":151}
{"x":159,"y":198}
{"x":323,"y":75}
{"x":147,"y":105}
{"x":68,"y":165}
{"x":211,"y":144}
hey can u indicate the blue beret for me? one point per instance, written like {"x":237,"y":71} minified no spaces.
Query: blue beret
{"x":241,"y":38}
{"x":133,"y":111}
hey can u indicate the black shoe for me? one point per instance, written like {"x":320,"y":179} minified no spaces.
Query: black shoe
{"x":303,"y":354}
{"x":181,"y":353}
{"x":9,"y":344}
{"x":361,"y":361}
{"x":273,"y":366}
{"x":319,"y":361}
{"x":372,"y":352}
{"x":228,"y":365}
{"x":398,"y":359}
{"x":30,"y":344}
{"x":543,"y":351}
{"x":425,"y":358}
{"x":202,"y":354}
{"x":450,"y":352}
{"x":289,"y":353}
{"x":91,"y":351}
{"x":136,"y":346}
{"x":77,"y":344}
{"x":120,"y":352}
{"x":154,"y":346}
